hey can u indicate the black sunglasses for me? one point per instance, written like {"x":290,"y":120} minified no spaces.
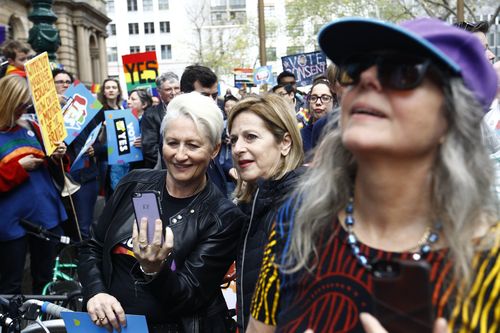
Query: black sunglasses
{"x":394,"y":71}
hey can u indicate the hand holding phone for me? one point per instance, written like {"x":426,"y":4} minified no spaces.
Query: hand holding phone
{"x":147,"y":205}
{"x":402,"y":296}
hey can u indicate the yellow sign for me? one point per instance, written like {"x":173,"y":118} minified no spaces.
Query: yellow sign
{"x":44,"y":95}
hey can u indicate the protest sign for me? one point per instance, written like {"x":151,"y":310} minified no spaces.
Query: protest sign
{"x":81,"y":107}
{"x":47,"y":107}
{"x":263,"y":75}
{"x":305,"y":66}
{"x":122,"y":128}
{"x":78,"y":162}
{"x":141,"y":70}
{"x":243,"y":77}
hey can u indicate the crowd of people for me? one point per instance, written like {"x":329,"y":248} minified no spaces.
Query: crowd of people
{"x":389,"y":160}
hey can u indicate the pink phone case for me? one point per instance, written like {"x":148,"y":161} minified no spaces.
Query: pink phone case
{"x":146,"y":204}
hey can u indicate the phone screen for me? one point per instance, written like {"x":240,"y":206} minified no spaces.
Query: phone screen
{"x":402,"y":296}
{"x":146,"y":204}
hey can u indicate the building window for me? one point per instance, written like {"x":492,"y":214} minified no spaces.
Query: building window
{"x":110,"y":6}
{"x":112,"y":54}
{"x":165,"y":27}
{"x":294,"y":50}
{"x":112,"y":29}
{"x":269,"y":12}
{"x":271,"y":54}
{"x":166,"y":51}
{"x":162,"y":4}
{"x":147,"y":5}
{"x":149,"y":27}
{"x":133,"y":28}
{"x":135,"y":49}
{"x":150,"y":48}
{"x":132,"y":5}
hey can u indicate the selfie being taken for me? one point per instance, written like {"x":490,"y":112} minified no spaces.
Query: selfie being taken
{"x":169,"y":263}
{"x":394,"y":227}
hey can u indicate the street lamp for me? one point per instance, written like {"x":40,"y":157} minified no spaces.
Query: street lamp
{"x":44,"y":36}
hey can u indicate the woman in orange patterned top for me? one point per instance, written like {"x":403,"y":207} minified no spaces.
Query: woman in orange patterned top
{"x":405,"y":178}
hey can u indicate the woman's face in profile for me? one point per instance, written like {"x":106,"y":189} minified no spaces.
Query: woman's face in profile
{"x":134,"y":102}
{"x":255,"y":151}
{"x":186,"y":151}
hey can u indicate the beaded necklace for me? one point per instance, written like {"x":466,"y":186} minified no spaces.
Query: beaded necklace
{"x":424,"y":247}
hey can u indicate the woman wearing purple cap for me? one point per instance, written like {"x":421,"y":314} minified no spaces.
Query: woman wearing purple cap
{"x":398,"y":209}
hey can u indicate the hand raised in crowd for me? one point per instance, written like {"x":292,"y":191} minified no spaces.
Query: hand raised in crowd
{"x":90,"y":151}
{"x":106,"y":311}
{"x":137,"y":142}
{"x":372,"y":325}
{"x":30,"y":162}
{"x":60,"y":151}
{"x":152,"y":256}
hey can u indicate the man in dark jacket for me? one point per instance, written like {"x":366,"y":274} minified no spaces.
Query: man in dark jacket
{"x":168,"y":87}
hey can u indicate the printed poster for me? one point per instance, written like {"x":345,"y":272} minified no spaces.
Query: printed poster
{"x":78,"y":162}
{"x":263,"y":75}
{"x":81,"y":107}
{"x":243,"y":77}
{"x":141,"y":70}
{"x":305,"y":66}
{"x":122,"y":128}
{"x":44,"y":96}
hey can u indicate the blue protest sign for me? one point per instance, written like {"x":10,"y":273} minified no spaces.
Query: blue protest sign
{"x":122,"y":128}
{"x":78,"y":162}
{"x":80,"y":108}
{"x":305,"y":66}
{"x":263,"y":75}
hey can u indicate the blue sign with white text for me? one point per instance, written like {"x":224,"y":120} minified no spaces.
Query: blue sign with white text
{"x":122,"y":129}
{"x":305,"y":66}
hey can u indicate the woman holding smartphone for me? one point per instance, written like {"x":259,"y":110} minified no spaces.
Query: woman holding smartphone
{"x":175,"y":279}
{"x":405,"y":177}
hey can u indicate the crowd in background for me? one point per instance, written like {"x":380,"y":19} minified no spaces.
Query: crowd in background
{"x":391,"y":154}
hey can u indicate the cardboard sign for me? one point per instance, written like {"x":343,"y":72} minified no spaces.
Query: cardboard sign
{"x":305,"y":66}
{"x":263,"y":75}
{"x":47,"y":107}
{"x":122,"y":128}
{"x":78,"y":162}
{"x":79,"y":110}
{"x":141,"y":70}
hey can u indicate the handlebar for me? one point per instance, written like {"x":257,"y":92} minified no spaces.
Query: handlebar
{"x":41,"y":232}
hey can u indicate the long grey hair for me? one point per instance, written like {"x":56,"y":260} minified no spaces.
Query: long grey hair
{"x":462,"y":196}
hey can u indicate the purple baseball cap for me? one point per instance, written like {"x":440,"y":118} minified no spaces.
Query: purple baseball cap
{"x":458,"y":50}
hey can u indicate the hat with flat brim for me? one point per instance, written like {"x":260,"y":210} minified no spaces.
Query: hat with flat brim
{"x":449,"y":47}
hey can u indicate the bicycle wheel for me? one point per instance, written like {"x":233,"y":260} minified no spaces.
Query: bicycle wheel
{"x":54,"y":326}
{"x":71,"y":289}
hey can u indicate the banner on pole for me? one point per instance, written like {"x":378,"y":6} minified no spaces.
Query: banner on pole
{"x":81,"y":107}
{"x":305,"y":66}
{"x":47,"y":107}
{"x":122,"y":128}
{"x":243,"y":77}
{"x":141,"y":70}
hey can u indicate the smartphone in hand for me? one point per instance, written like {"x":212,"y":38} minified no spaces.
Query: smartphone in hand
{"x":147,"y":204}
{"x":402,"y":296}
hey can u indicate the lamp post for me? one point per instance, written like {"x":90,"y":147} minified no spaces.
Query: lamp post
{"x":44,"y":36}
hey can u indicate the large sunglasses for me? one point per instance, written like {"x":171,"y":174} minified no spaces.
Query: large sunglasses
{"x":398,"y":72}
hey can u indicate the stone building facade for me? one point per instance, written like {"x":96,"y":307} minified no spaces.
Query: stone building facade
{"x":82,"y":29}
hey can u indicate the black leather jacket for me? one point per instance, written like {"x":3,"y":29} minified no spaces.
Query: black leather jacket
{"x":254,"y":236}
{"x":150,"y":134}
{"x":205,"y":238}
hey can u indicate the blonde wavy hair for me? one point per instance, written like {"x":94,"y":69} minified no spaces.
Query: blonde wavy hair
{"x":279,"y":119}
{"x":15,"y":92}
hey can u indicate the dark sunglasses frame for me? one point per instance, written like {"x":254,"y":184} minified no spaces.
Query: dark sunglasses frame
{"x":394,"y":71}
